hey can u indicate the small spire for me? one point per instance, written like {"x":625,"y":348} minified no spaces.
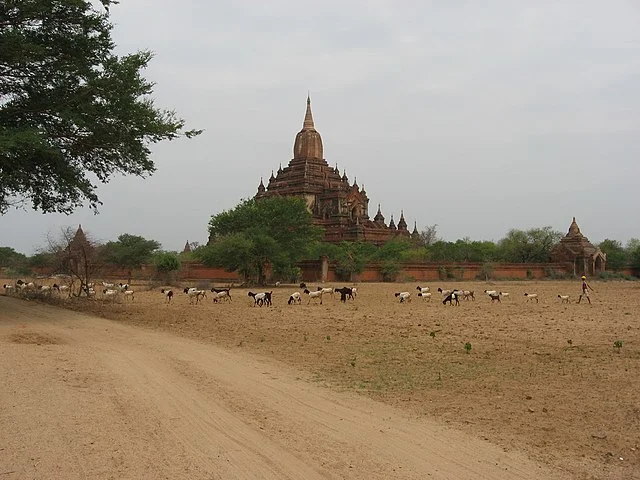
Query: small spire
{"x":392,"y":224}
{"x":402,"y":224}
{"x":344,"y":175}
{"x":355,"y":182}
{"x":187,"y":248}
{"x":280,"y":169}
{"x":379,"y":218}
{"x":308,"y":117}
{"x":271,"y":178}
{"x":415,"y":229}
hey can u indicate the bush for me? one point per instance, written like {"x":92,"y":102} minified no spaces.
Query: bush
{"x":390,"y":270}
{"x":608,"y":275}
{"x":486,"y":272}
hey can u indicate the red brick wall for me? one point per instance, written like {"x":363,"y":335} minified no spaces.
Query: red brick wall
{"x":311,"y":271}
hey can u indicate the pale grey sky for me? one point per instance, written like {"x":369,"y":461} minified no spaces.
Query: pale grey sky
{"x":476,"y":116}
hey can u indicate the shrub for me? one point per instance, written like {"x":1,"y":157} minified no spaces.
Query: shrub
{"x":390,"y":270}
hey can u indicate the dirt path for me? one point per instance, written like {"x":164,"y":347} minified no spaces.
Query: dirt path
{"x":84,"y":397}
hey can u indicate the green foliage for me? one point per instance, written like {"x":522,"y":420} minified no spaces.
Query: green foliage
{"x":71,"y":110}
{"x":467,"y":347}
{"x":390,"y":270}
{"x":616,"y":255}
{"x":166,"y":262}
{"x":617,"y":345}
{"x":130,"y":251}
{"x":43,"y":260}
{"x":633,"y":252}
{"x":531,"y":246}
{"x":9,"y":258}
{"x":274,"y":231}
{"x":486,"y":271}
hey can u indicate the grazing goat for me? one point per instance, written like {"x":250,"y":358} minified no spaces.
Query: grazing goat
{"x":195,"y":293}
{"x":532,"y":296}
{"x":467,"y":294}
{"x":168,"y":295}
{"x":490,"y":292}
{"x":326,"y":291}
{"x":112,"y":294}
{"x":354,"y":292}
{"x":344,"y":293}
{"x":262,"y":298}
{"x":124,"y":286}
{"x":403,"y":296}
{"x":129,"y":294}
{"x":422,"y":289}
{"x":425,"y":295}
{"x":221,"y":294}
{"x":220,"y":290}
{"x":303,"y":285}
{"x":314,"y":295}
{"x":295,"y":298}
{"x":504,"y":294}
{"x":444,"y":293}
{"x":495,"y":297}
{"x":7,"y":288}
{"x":108,"y":285}
{"x":452,"y":297}
{"x":564,"y":298}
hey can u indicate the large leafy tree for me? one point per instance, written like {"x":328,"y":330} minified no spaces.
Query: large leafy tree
{"x":530,"y":246}
{"x":129,"y":252}
{"x":72,"y":113}
{"x":616,"y":255}
{"x":275,"y":231}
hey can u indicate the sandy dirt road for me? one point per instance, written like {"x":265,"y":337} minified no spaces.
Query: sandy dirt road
{"x":84,"y":397}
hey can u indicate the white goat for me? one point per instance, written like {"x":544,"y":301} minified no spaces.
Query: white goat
{"x":504,"y":294}
{"x":491,"y":292}
{"x":220,"y":296}
{"x":425,"y":295}
{"x":564,"y":298}
{"x":294,"y":298}
{"x":422,"y":289}
{"x":326,"y":291}
{"x":532,"y":296}
{"x":112,"y":294}
{"x":314,"y":295}
{"x":445,"y":293}
{"x":168,"y":295}
{"x":403,"y":296}
{"x":196,"y":294}
{"x":129,"y":294}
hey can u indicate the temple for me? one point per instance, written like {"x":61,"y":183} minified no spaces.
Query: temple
{"x":578,"y":253}
{"x":341,"y":208}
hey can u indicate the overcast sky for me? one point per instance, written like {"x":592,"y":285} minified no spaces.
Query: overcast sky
{"x":475,"y":116}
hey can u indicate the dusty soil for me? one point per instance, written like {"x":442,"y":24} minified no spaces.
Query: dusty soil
{"x":367,"y":389}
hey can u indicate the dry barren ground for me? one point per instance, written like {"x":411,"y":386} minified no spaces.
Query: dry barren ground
{"x":543,"y":379}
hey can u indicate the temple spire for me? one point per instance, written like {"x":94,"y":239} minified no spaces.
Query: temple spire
{"x":308,"y":117}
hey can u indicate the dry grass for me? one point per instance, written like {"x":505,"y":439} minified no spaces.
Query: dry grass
{"x":543,"y":378}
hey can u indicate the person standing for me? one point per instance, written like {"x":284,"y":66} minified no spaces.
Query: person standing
{"x":585,"y":290}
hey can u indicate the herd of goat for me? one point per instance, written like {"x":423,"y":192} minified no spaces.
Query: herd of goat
{"x":195,"y":295}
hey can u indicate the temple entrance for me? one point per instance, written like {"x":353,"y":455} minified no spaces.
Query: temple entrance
{"x":599,"y":265}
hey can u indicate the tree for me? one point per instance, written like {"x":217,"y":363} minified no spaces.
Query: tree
{"x":76,"y":255}
{"x":10,"y":258}
{"x":71,"y":111}
{"x":276,"y":232}
{"x":166,"y":263}
{"x":129,"y":252}
{"x":616,"y":255}
{"x":633,"y":252}
{"x":428,"y":236}
{"x":531,"y":246}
